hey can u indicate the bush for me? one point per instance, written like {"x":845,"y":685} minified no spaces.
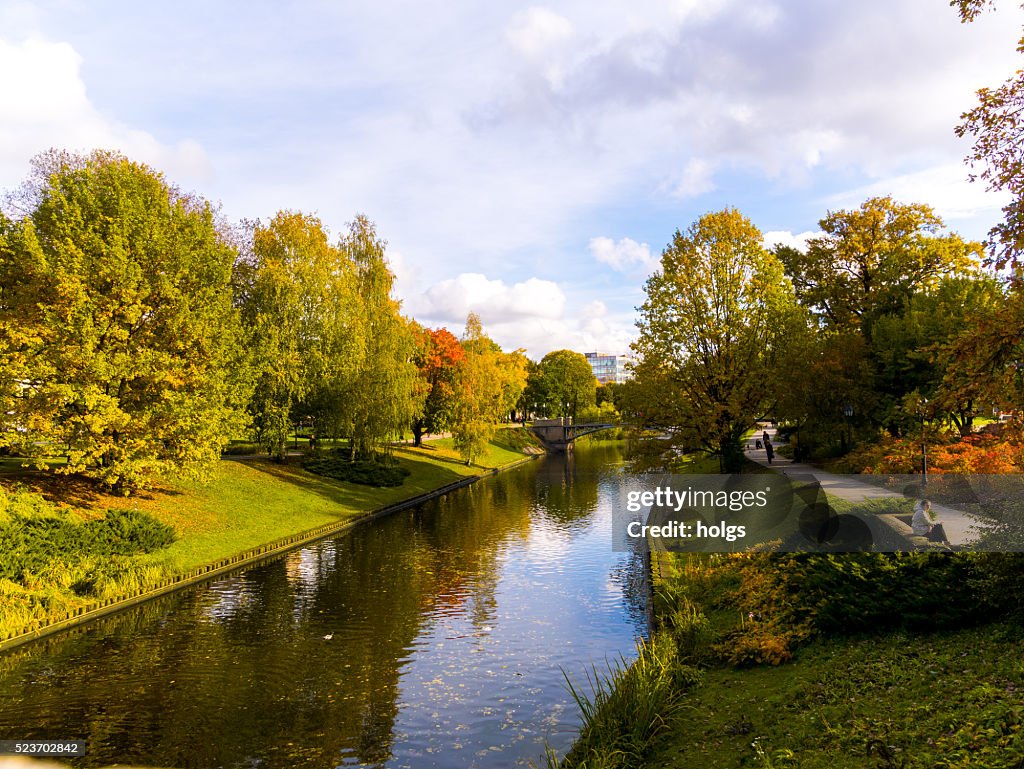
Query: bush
{"x":367,"y":472}
{"x":50,"y":538}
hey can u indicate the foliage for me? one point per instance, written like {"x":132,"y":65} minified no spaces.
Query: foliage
{"x":627,"y":708}
{"x":820,"y":375}
{"x":785,"y":600}
{"x":870,"y":261}
{"x":973,"y":454}
{"x":709,"y":332}
{"x":300,"y":304}
{"x":996,"y":125}
{"x":438,"y":356}
{"x":367,"y":472}
{"x":950,"y":699}
{"x":385,"y":395}
{"x":118,"y":342}
{"x":983,"y":364}
{"x":40,"y":538}
{"x":563,"y":385}
{"x":893,"y":300}
{"x":488,"y":385}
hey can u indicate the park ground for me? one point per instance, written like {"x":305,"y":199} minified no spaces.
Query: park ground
{"x":249,"y":502}
{"x":722,"y":686}
{"x":815,"y":661}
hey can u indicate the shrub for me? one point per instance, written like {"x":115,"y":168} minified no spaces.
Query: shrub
{"x":40,"y":538}
{"x":367,"y":472}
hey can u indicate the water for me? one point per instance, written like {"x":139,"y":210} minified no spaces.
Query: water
{"x":436,"y":637}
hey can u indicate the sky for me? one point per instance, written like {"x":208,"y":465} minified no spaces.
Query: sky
{"x":528,"y":162}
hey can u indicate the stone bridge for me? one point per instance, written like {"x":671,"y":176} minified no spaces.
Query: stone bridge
{"x":559,"y":434}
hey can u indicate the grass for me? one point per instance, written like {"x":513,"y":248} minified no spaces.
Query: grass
{"x":950,"y":699}
{"x":831,"y":681}
{"x":248,"y":503}
{"x":625,"y":709}
{"x":509,"y":445}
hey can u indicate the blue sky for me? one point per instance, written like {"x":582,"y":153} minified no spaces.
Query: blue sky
{"x":525,"y":161}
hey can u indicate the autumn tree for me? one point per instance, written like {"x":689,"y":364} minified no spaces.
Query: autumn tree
{"x":709,"y":329}
{"x":438,"y":356}
{"x":871,"y":260}
{"x":118,"y":338}
{"x":984,"y":364}
{"x":990,"y":352}
{"x":488,"y":385}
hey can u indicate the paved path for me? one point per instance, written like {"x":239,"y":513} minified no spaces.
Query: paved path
{"x":961,"y":528}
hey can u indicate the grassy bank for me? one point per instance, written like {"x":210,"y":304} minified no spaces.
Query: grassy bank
{"x":888,"y":661}
{"x":60,"y":565}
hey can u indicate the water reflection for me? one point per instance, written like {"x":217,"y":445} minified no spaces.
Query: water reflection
{"x":433,"y":638}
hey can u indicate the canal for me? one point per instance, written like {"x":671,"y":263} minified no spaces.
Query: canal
{"x":435,"y":637}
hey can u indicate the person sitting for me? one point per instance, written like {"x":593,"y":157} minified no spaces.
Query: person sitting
{"x":923,"y":524}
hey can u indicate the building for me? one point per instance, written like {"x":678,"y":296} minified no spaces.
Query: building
{"x":608,"y":368}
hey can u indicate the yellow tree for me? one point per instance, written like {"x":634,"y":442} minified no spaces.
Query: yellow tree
{"x":709,"y":330}
{"x":118,"y":341}
{"x":488,"y":385}
{"x":301,"y":307}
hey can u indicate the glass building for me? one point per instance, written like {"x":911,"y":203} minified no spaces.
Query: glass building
{"x":608,"y":368}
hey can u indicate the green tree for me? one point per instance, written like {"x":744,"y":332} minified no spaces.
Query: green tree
{"x":913,"y":350}
{"x":118,"y":338}
{"x":709,"y":331}
{"x":300,"y":303}
{"x":565,"y":383}
{"x":385,"y":396}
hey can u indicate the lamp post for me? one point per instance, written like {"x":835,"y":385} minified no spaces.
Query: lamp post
{"x":922,"y":406}
{"x":847,"y":413}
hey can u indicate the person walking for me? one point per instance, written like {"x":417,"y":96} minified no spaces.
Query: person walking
{"x":769,"y":450}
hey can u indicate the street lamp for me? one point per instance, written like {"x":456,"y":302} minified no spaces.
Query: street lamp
{"x":922,"y":406}
{"x":847,"y":413}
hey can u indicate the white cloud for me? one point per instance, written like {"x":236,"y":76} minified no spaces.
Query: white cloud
{"x":538,"y":30}
{"x":493,"y":300}
{"x":945,"y":188}
{"x":624,"y":255}
{"x":45,"y":104}
{"x":695,"y":179}
{"x":787,"y":238}
{"x":533,"y":314}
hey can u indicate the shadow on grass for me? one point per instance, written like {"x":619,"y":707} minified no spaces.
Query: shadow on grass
{"x":74,"y":490}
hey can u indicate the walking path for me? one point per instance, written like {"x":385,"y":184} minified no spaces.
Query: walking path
{"x":961,"y":528}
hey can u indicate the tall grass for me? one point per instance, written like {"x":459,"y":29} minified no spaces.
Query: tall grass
{"x":626,"y":708}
